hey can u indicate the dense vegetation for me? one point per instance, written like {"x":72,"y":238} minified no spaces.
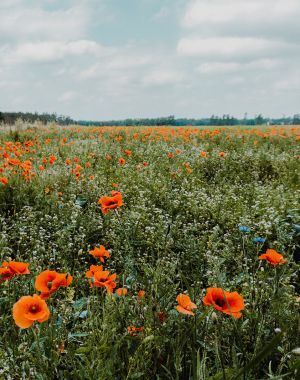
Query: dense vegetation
{"x":193,"y":209}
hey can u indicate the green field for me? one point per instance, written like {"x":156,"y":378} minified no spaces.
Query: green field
{"x":193,"y":209}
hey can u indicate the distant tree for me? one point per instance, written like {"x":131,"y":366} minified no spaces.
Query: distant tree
{"x":259,"y":120}
{"x":296,"y":119}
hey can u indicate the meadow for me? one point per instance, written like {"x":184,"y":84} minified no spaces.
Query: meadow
{"x":149,"y":253}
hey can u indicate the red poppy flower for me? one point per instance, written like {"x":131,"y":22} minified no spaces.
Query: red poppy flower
{"x":5,"y":274}
{"x":162,"y":316}
{"x":109,"y":203}
{"x":272,"y":257}
{"x":226,"y":302}
{"x":52,"y":159}
{"x":4,"y":180}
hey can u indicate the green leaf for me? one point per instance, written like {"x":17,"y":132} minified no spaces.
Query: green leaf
{"x":81,"y":202}
{"x":77,"y":335}
{"x":296,"y":227}
{"x":264,"y":353}
{"x":80,"y":303}
{"x":82,"y":350}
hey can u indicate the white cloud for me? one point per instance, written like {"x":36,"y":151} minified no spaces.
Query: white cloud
{"x":116,"y":60}
{"x":8,"y":84}
{"x":218,"y":67}
{"x":50,"y":51}
{"x":205,"y":12}
{"x":230,"y":67}
{"x":9,"y":3}
{"x":67,"y":96}
{"x":288,"y":84}
{"x":161,"y":77}
{"x":23,"y":23}
{"x":228,"y":47}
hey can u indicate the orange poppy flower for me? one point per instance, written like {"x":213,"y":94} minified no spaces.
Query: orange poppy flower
{"x":134,"y":330}
{"x":5,"y":274}
{"x":100,"y":252}
{"x":68,"y":161}
{"x":272,"y":257}
{"x":203,"y":154}
{"x":12,"y":268}
{"x":17,"y":267}
{"x":121,"y":292}
{"x":185,"y":304}
{"x":14,"y":162}
{"x":49,"y":281}
{"x":102,"y":279}
{"x":128,"y":152}
{"x":141,"y":293}
{"x":122,"y":161}
{"x":222,"y":154}
{"x":108,"y":203}
{"x":226,"y":302}
{"x":4,"y":180}
{"x":29,"y":309}
{"x":93,"y":269}
{"x":61,"y":348}
{"x":52,"y":159}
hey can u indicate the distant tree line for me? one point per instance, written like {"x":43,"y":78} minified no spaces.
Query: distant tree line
{"x":169,"y":120}
{"x":44,"y":118}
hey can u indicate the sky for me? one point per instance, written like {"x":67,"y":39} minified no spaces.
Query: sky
{"x":115,"y":59}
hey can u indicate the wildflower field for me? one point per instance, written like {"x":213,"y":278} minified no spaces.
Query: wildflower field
{"x":149,"y":253}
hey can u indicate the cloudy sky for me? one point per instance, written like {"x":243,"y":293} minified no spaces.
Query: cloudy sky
{"x":112,"y":59}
